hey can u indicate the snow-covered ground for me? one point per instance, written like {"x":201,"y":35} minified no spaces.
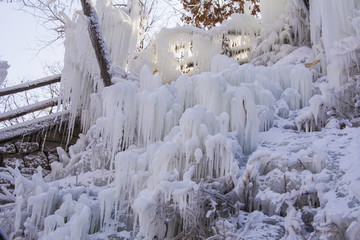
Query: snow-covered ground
{"x":315,"y":173}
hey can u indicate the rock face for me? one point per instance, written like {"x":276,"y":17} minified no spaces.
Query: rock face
{"x":32,"y":151}
{"x":27,"y":156}
{"x":27,"y":147}
{"x":35,"y":150}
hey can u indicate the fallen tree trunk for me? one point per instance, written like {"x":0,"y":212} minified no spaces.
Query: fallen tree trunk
{"x":98,"y":42}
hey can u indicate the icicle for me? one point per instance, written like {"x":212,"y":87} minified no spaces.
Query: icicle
{"x":244,"y":119}
{"x":282,"y":109}
{"x":301,"y":79}
{"x":331,"y":18}
{"x":52,"y":222}
{"x":118,"y":29}
{"x":292,"y":98}
{"x":266,"y":117}
{"x":271,"y":10}
{"x":107,"y":202}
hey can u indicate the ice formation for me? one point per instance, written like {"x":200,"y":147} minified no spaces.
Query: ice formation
{"x":81,"y":64}
{"x":162,"y":144}
{"x":266,"y":117}
{"x":313,"y":117}
{"x":166,"y":154}
{"x":334,"y":35}
{"x":286,"y":27}
{"x":271,"y":10}
{"x":3,"y":70}
{"x":189,"y":50}
{"x":331,"y":21}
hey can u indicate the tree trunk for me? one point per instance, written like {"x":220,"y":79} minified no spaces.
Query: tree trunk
{"x":307,"y":4}
{"x":98,"y":42}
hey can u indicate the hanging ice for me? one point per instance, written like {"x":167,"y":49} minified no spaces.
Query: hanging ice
{"x":3,"y":70}
{"x":80,"y":61}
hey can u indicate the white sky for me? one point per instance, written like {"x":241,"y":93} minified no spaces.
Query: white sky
{"x":20,"y":41}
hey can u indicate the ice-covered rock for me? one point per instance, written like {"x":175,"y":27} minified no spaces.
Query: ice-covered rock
{"x":314,"y":117}
{"x":318,"y":109}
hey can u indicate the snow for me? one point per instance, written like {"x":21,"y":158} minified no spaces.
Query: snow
{"x":299,"y":56}
{"x":35,"y":125}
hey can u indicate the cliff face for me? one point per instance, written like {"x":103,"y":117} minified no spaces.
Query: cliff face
{"x":32,"y":151}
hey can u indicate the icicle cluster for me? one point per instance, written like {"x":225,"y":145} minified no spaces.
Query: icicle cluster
{"x":276,"y":89}
{"x":81,"y":76}
{"x":335,"y":38}
{"x":118,"y":29}
{"x":273,"y":182}
{"x":314,"y":117}
{"x":189,"y":50}
{"x":282,"y":31}
{"x":144,"y":114}
{"x":177,"y":135}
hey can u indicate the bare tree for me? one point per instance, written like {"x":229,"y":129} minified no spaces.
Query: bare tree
{"x":54,"y":16}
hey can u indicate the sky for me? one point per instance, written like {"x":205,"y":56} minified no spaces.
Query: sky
{"x":21,"y":38}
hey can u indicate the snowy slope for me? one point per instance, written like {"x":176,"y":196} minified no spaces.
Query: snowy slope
{"x":317,"y":173}
{"x":187,"y":152}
